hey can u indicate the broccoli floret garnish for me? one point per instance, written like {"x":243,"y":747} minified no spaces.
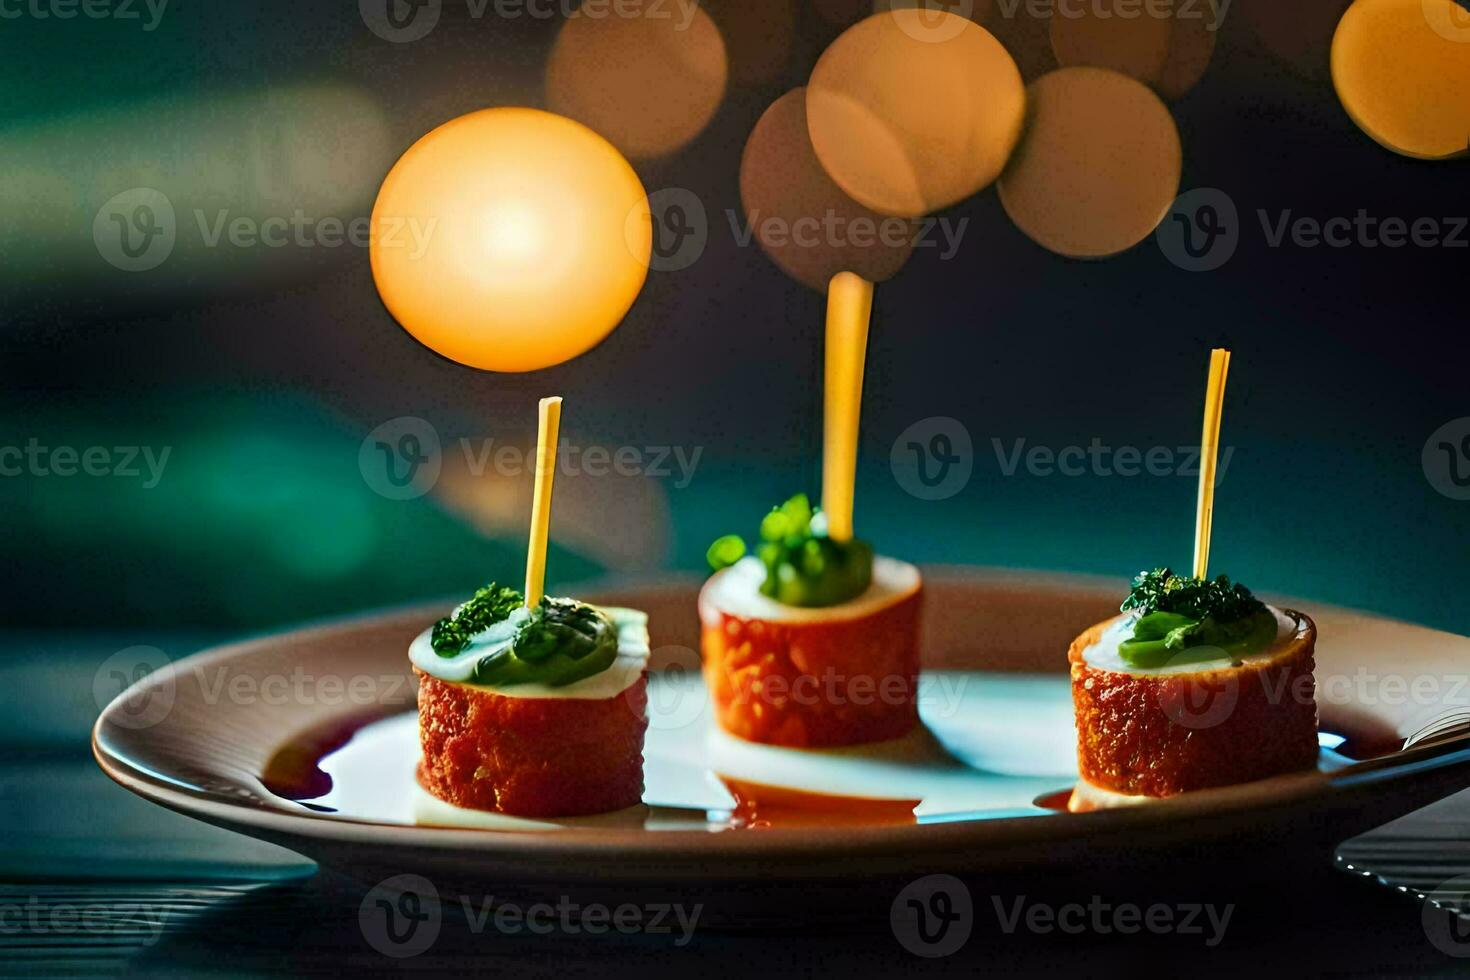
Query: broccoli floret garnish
{"x":485,"y":608}
{"x":804,"y":567}
{"x":1162,"y":591}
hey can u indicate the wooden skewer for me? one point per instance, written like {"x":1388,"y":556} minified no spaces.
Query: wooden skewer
{"x":1209,"y":453}
{"x":849,"y":308}
{"x":547,"y":432}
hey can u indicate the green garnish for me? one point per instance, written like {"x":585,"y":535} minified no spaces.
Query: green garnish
{"x":1162,"y":591}
{"x":725,"y":552}
{"x":484,"y":609}
{"x":804,"y":567}
{"x":560,"y":642}
{"x":556,"y":643}
{"x":1177,"y":615}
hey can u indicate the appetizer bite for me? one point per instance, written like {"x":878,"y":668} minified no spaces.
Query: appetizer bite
{"x":1198,"y":684}
{"x":531,"y":705}
{"x":812,"y":642}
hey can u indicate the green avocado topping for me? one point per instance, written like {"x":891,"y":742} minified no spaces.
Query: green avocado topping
{"x":558,"y":642}
{"x":804,"y":567}
{"x":1180,"y":620}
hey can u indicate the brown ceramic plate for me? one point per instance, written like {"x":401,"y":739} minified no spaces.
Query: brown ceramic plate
{"x":232,"y":736}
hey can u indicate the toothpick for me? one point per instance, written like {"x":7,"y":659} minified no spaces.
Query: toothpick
{"x":849,"y":308}
{"x":547,"y":432}
{"x":1209,"y":453}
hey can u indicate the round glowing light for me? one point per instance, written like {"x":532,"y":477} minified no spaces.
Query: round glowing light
{"x":647,"y":75}
{"x":804,"y":221}
{"x":1169,"y":53}
{"x":913,"y":110}
{"x":1099,"y":166}
{"x":1402,"y":71}
{"x":510,"y":239}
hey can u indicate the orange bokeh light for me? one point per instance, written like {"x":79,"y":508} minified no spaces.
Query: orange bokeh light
{"x":804,"y":221}
{"x":1402,"y":71}
{"x":648,"y":76}
{"x":1169,"y":53}
{"x":511,"y":239}
{"x":1099,"y":166}
{"x":911,"y":111}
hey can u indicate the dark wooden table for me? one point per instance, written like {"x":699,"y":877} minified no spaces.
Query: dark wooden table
{"x":94,"y":882}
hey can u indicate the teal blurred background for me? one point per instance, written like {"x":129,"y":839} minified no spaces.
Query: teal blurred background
{"x":262,"y":372}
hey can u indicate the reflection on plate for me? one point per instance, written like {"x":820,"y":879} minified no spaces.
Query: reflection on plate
{"x":991,"y":746}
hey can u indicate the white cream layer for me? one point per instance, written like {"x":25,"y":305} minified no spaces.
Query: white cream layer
{"x":1104,"y":655}
{"x":736,"y":591}
{"x":626,"y":668}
